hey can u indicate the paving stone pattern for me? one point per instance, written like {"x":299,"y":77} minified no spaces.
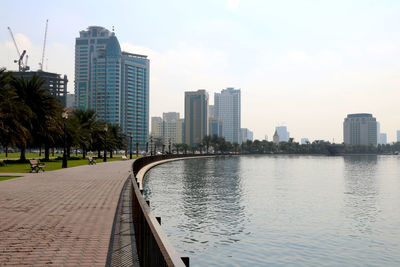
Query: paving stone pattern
{"x":60,"y":218}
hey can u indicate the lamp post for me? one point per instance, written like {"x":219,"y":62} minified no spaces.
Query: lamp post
{"x":64,"y":115}
{"x":105,"y":142}
{"x":169,"y":145}
{"x":151,"y":145}
{"x":130,"y":145}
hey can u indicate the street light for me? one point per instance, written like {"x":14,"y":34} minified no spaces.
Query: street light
{"x":130,"y":145}
{"x":105,"y":142}
{"x":64,"y":115}
{"x":169,"y":145}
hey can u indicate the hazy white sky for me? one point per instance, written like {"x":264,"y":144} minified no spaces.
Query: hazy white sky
{"x":304,"y":64}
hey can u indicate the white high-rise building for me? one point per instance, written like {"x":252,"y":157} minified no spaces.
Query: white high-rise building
{"x":398,"y":136}
{"x":246,"y":134}
{"x":227,"y":108}
{"x":382,"y":139}
{"x":283,"y":134}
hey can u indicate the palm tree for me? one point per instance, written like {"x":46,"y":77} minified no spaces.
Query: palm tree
{"x":88,"y":132}
{"x":14,"y":116}
{"x":207,"y":141}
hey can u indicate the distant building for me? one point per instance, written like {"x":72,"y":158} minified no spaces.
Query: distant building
{"x":378,"y":133}
{"x":56,"y":84}
{"x":156,"y":127}
{"x":227,"y":108}
{"x":246,"y":134}
{"x":70,"y":100}
{"x":383,"y":139}
{"x":398,"y":136}
{"x":168,"y":129}
{"x":196,"y":116}
{"x":276,"y":137}
{"x":215,"y":127}
{"x":113,"y":83}
{"x":170,"y":116}
{"x":360,"y":129}
{"x":304,"y":141}
{"x":282,"y":133}
{"x":211,"y":111}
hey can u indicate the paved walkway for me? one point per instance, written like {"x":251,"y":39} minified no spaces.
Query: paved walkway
{"x":60,"y":218}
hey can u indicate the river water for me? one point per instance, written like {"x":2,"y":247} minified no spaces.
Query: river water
{"x":280,"y":210}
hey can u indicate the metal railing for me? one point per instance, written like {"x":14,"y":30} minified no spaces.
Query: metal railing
{"x":153,"y":246}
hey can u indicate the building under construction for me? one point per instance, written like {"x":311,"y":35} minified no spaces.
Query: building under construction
{"x":56,"y":84}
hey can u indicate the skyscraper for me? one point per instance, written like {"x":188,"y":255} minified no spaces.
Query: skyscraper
{"x":196,"y":118}
{"x":360,"y":129}
{"x":227,"y":108}
{"x":113,"y":83}
{"x":283,"y":133}
{"x":398,"y":136}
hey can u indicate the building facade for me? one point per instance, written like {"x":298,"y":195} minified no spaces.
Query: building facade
{"x":196,"y":116}
{"x":284,"y":135}
{"x":215,"y":127}
{"x":169,"y":128}
{"x":246,"y":134}
{"x":360,"y":129}
{"x":113,"y":83}
{"x":227,"y":108}
{"x":398,"y":136}
{"x":56,"y":84}
{"x":382,"y":139}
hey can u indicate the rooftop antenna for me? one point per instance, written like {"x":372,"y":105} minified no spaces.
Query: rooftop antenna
{"x":113,"y":28}
{"x":44,"y":45}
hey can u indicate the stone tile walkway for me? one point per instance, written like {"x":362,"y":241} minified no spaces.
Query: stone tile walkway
{"x":60,"y":218}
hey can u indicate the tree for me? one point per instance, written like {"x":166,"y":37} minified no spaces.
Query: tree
{"x":14,"y":116}
{"x":207,"y":142}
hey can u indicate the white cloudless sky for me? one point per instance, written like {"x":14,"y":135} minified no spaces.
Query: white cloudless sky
{"x":303,"y":64}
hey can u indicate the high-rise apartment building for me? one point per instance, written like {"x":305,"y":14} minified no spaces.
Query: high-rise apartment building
{"x":360,"y":129}
{"x":246,"y":134}
{"x":156,"y":127}
{"x":398,"y":136}
{"x":283,"y":134}
{"x":168,"y":129}
{"x":196,"y":117}
{"x":382,"y":139}
{"x":113,"y":83}
{"x":215,"y":127}
{"x":227,"y":108}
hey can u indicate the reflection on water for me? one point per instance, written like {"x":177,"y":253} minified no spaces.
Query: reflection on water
{"x":361,"y":190}
{"x":211,"y":200}
{"x":280,"y":210}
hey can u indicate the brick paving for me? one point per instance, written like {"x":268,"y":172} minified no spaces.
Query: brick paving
{"x":60,"y":218}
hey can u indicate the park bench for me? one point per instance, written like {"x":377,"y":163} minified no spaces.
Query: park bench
{"x":91,"y":160}
{"x":36,"y":165}
{"x":124,"y":158}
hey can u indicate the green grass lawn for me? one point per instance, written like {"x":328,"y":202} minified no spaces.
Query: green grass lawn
{"x":3,"y":178}
{"x":31,"y":155}
{"x":50,"y":166}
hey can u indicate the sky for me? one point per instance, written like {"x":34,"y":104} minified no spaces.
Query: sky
{"x":303,"y":64}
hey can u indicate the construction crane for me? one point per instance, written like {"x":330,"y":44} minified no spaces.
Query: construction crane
{"x":21,"y":66}
{"x":44,"y":45}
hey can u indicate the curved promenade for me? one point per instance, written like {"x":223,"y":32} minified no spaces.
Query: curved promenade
{"x":60,"y":218}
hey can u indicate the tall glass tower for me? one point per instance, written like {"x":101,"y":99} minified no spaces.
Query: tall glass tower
{"x":227,"y":108}
{"x":113,"y":83}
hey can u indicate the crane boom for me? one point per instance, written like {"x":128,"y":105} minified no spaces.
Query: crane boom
{"x":44,"y":44}
{"x":15,"y":43}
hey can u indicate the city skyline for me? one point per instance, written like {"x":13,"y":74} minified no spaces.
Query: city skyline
{"x":328,"y":60}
